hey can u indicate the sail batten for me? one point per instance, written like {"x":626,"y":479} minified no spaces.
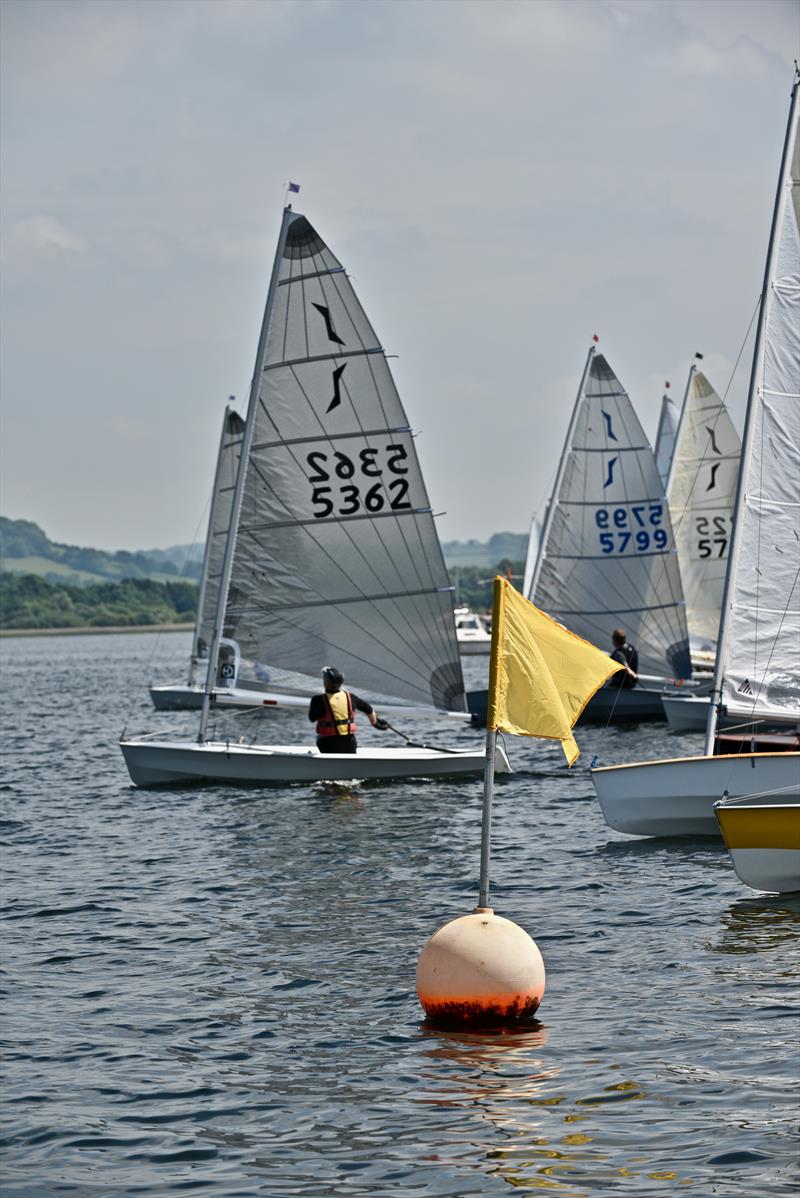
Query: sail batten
{"x":609,"y":557}
{"x":337,"y":560}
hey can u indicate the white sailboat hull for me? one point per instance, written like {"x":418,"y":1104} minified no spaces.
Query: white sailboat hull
{"x":686,"y":713}
{"x":163,"y":763}
{"x":776,"y":871}
{"x":676,"y":797}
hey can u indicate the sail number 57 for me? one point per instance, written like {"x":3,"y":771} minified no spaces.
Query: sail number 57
{"x":636,"y":528}
{"x":362,"y":493}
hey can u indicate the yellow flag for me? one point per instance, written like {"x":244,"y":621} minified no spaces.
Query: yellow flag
{"x":541,"y":675}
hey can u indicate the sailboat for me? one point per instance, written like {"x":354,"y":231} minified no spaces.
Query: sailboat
{"x":330,"y":553}
{"x":758,"y":656}
{"x":606,"y":556}
{"x":701,"y":489}
{"x":665,"y":436}
{"x":763,"y":839}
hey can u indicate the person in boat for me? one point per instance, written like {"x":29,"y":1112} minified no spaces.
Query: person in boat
{"x":335,"y":714}
{"x":627,"y":656}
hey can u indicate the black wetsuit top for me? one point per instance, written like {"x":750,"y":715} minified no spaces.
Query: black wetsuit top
{"x":627,"y":656}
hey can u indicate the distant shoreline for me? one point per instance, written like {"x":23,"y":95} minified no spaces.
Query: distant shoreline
{"x":96,"y":630}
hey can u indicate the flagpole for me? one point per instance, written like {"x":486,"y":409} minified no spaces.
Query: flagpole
{"x":498,"y":619}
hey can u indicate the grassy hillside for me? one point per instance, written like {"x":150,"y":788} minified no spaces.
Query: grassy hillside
{"x":26,"y":549}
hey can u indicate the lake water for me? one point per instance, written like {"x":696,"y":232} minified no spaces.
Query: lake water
{"x":212,"y":991}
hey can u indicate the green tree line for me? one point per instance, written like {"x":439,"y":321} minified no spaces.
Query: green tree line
{"x":28,"y":601}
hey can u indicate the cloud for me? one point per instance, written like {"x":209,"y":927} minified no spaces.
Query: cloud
{"x":40,"y":234}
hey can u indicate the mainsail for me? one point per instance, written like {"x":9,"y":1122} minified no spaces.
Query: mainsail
{"x":759,"y":656}
{"x":218,"y":520}
{"x":608,"y":558}
{"x":337,"y":560}
{"x":701,"y":490}
{"x":665,"y":437}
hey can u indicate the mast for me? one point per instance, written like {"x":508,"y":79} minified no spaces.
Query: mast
{"x":201,"y":598}
{"x":747,"y":437}
{"x":562,"y":465}
{"x":671,"y":471}
{"x":241,"y":474}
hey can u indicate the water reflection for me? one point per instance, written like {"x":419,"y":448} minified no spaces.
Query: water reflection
{"x":755,"y":925}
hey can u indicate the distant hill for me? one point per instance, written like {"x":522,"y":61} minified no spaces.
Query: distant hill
{"x":26,"y":549}
{"x":501,"y":546}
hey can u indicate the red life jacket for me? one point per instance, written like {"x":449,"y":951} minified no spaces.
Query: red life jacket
{"x":328,"y":725}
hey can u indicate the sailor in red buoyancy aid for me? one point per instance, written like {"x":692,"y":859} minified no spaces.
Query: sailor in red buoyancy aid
{"x":335,"y":714}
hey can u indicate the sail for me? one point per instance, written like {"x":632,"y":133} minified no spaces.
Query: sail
{"x":218,"y":520}
{"x":534,"y":540}
{"x":702,"y":489}
{"x":665,"y":437}
{"x":760,"y":664}
{"x":609,"y":559}
{"x":337,"y":560}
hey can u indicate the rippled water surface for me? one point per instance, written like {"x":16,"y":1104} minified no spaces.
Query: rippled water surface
{"x":213,"y":990}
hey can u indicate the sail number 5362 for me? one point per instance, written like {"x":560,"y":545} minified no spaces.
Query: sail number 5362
{"x":636,"y":527}
{"x":383,"y":494}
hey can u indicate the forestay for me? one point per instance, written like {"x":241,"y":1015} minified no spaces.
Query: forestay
{"x":609,"y":559}
{"x":337,"y":559}
{"x":760,"y":664}
{"x":665,"y":437}
{"x":218,"y":521}
{"x":702,"y":488}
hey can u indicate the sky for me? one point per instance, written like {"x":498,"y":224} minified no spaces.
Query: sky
{"x":502,"y":180}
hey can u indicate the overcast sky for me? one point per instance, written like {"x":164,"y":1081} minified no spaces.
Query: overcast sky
{"x":501,"y":180}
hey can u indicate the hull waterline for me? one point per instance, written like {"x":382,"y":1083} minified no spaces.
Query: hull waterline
{"x":164,"y":763}
{"x":676,"y":797}
{"x":763,"y":839}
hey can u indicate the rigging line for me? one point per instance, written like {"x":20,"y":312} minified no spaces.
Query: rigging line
{"x":184,"y":567}
{"x":441,"y":633}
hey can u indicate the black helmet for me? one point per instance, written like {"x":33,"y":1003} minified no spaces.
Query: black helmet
{"x":332,"y":676}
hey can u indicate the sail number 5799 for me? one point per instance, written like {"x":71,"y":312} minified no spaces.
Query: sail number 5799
{"x":637,"y":527}
{"x":362,"y":493}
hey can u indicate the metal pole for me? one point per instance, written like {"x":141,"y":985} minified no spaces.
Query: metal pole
{"x":241,"y":474}
{"x":562,"y":465}
{"x":747,"y":438}
{"x":486,"y":820}
{"x":201,"y":598}
{"x":498,"y":636}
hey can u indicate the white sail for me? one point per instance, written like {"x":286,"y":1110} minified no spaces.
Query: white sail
{"x":701,"y":492}
{"x":534,"y":543}
{"x":218,"y":520}
{"x":337,"y":560}
{"x":759,"y":666}
{"x":608,"y":559}
{"x":665,"y":437}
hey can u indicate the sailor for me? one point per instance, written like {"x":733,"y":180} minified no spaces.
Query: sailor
{"x":335,"y":713}
{"x":627,"y":656}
